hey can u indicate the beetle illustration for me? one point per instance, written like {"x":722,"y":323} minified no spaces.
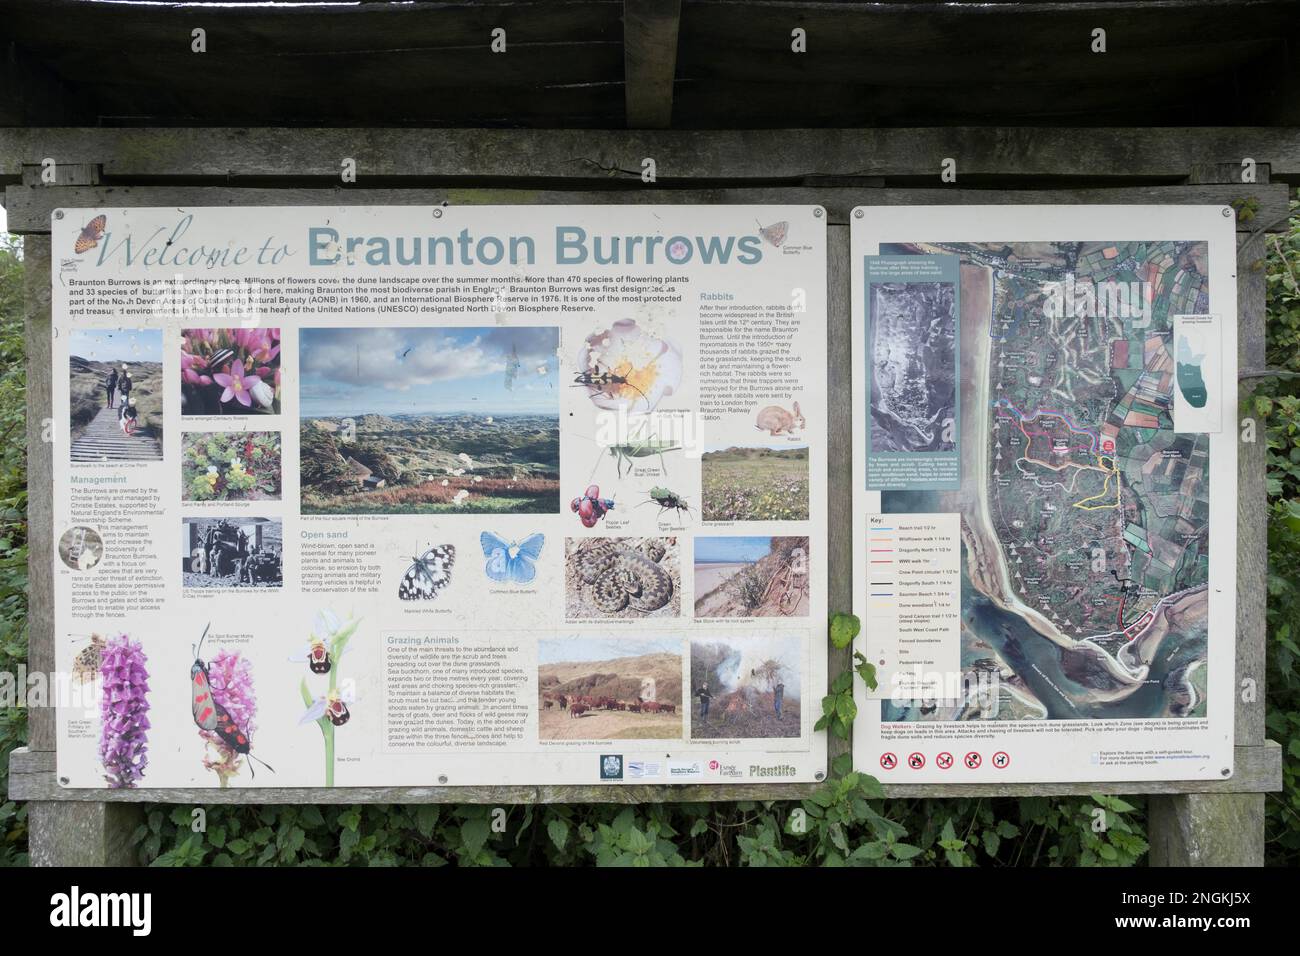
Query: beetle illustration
{"x":667,"y":501}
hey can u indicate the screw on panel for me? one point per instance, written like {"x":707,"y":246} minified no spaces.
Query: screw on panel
{"x":58,"y":214}
{"x":443,"y":778}
{"x":857,"y":214}
{"x":1227,"y":211}
{"x":437,"y":214}
{"x":819,"y":775}
{"x":818,"y":212}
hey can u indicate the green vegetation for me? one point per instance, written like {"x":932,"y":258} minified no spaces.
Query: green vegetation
{"x":755,"y":484}
{"x":1275,"y":406}
{"x":13,"y":536}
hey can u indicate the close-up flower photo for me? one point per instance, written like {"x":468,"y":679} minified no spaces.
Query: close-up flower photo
{"x":230,"y":371}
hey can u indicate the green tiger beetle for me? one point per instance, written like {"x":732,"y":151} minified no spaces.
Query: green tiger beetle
{"x":668,"y":501}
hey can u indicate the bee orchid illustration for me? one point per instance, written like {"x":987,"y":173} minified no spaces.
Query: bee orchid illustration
{"x":333,"y":705}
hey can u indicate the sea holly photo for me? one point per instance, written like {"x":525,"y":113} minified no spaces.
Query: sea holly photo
{"x":327,"y":707}
{"x":230,"y":371}
{"x":230,"y":466}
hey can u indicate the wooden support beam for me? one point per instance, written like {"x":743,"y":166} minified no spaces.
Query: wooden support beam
{"x":986,"y":156}
{"x":29,"y":206}
{"x":650,"y":61}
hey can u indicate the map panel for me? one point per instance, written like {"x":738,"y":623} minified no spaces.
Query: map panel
{"x":1085,"y":516}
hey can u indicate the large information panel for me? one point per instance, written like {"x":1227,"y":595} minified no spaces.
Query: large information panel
{"x":1045,"y":475}
{"x":445,"y":496}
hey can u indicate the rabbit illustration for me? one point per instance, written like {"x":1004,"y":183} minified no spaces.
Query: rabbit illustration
{"x":775,"y":420}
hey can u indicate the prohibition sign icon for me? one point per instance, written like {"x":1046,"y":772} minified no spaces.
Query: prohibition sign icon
{"x":973,"y":760}
{"x":889,"y":761}
{"x":943,"y":761}
{"x":1001,"y":760}
{"x":916,"y":760}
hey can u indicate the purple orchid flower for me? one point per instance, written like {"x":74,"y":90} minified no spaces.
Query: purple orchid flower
{"x":124,"y":712}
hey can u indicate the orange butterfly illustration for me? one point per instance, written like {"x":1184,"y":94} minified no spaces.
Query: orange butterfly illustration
{"x":91,"y":234}
{"x":775,"y":233}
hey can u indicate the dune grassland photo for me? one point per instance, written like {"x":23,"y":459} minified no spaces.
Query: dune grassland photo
{"x":751,"y":576}
{"x":755,"y":484}
{"x":100,"y":361}
{"x":458,"y":420}
{"x":746,"y":686}
{"x":609,"y":688}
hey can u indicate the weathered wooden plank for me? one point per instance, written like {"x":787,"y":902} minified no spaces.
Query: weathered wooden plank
{"x":68,"y":833}
{"x":54,"y":27}
{"x":777,"y":157}
{"x":839,"y":452}
{"x":1252,"y":507}
{"x":31,"y":777}
{"x":650,"y":61}
{"x":40,"y":479}
{"x":1199,"y":829}
{"x":29,"y":206}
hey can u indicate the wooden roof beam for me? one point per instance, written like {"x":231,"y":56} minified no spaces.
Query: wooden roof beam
{"x":650,"y":61}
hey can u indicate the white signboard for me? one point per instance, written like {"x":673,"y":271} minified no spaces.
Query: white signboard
{"x":422,"y":496}
{"x":1075,"y":347}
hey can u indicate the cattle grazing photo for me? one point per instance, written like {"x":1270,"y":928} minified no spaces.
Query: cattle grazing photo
{"x":609,"y":688}
{"x":746,"y":686}
{"x":232,"y":552}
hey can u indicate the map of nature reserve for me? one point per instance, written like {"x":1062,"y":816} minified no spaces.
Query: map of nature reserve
{"x":1085,"y":515}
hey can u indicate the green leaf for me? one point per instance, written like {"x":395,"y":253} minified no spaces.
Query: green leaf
{"x":844,"y":628}
{"x":558,"y":830}
{"x":473,"y":834}
{"x":426,"y":818}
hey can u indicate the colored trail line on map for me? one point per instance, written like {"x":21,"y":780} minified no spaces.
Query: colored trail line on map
{"x":1087,"y":504}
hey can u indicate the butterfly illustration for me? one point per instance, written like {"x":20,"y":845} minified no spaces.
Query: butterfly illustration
{"x":85,"y":667}
{"x":775,"y":233}
{"x":512,"y":561}
{"x":428,"y":574}
{"x":91,"y":233}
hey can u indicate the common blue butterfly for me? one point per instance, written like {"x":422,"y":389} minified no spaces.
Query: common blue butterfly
{"x":511,"y":561}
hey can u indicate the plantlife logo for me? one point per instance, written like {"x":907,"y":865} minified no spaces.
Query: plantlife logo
{"x":611,"y":767}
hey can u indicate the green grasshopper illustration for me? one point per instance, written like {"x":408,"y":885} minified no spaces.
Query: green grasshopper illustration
{"x":641,"y":448}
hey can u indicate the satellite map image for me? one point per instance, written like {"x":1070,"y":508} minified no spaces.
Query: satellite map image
{"x":1084,"y":515}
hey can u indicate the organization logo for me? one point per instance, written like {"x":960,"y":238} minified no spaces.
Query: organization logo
{"x":685,"y":769}
{"x":641,"y":769}
{"x":719,"y":769}
{"x":611,"y":766}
